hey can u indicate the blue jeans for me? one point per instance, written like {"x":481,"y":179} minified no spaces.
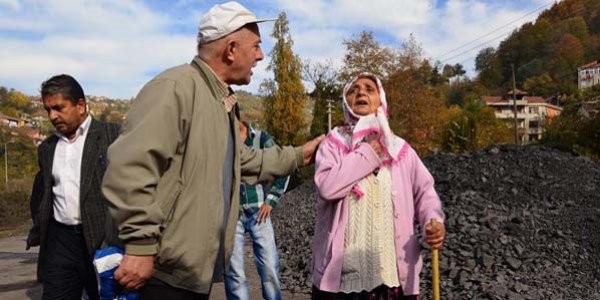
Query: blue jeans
{"x":265,"y":258}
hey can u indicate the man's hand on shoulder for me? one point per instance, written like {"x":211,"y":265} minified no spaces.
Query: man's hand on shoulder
{"x":134,"y":271}
{"x":309,"y":149}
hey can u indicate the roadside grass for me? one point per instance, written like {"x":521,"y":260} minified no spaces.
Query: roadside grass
{"x":14,"y":207}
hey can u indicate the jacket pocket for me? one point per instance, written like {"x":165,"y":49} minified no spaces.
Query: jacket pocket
{"x":168,"y":242}
{"x":170,"y":207}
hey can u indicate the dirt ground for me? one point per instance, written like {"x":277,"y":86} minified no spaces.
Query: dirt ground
{"x":17,"y":274}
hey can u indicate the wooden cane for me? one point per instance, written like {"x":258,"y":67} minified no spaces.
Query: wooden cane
{"x":435,"y":268}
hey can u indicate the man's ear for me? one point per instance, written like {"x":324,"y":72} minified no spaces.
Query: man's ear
{"x":81,"y":106}
{"x":231,"y":49}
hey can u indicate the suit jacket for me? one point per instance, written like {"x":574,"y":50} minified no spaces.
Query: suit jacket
{"x":98,"y":227}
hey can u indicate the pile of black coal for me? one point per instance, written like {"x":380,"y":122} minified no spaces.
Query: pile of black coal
{"x":523,"y":223}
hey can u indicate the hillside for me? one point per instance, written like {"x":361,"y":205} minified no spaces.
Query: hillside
{"x":547,"y":52}
{"x":250,"y":108}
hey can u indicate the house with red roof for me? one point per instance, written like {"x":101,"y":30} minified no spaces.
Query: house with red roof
{"x":10,"y":121}
{"x":533,"y":113}
{"x":35,"y":135}
{"x":588,"y":75}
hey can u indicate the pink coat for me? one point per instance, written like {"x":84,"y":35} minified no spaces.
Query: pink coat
{"x":414,"y":198}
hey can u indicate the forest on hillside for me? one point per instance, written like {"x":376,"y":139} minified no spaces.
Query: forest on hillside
{"x":545,"y":53}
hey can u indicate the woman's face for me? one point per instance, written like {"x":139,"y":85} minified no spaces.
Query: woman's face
{"x":363,"y":97}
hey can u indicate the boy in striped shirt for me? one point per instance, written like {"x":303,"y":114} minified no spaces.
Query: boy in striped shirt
{"x":256,"y":203}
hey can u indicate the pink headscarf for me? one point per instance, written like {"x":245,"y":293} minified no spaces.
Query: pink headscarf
{"x":357,"y":127}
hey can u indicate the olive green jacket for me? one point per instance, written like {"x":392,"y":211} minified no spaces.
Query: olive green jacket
{"x":164,"y":177}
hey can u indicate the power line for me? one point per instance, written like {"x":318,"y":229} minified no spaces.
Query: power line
{"x":563,"y":75}
{"x":478,"y":46}
{"x":554,"y":77}
{"x":495,"y":30}
{"x":499,"y":36}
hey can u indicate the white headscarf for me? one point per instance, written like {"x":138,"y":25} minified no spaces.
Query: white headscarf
{"x":357,"y":127}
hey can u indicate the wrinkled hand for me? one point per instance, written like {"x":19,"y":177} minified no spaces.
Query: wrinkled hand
{"x":435,"y":232}
{"x":264,"y":212}
{"x":309,"y":149}
{"x":134,"y":271}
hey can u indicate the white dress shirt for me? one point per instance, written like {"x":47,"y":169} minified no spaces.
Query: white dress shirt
{"x":66,"y":171}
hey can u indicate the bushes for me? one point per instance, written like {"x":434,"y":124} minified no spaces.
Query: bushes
{"x":14,"y":204}
{"x":574,"y":132}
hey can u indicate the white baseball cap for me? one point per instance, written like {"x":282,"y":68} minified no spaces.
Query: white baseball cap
{"x":223,"y":19}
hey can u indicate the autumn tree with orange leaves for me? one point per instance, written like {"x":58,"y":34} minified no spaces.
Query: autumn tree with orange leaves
{"x":285,"y":97}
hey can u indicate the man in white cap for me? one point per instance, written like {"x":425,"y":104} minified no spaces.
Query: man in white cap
{"x":174,"y":173}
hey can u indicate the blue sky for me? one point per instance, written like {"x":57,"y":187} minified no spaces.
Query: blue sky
{"x":113,"y":47}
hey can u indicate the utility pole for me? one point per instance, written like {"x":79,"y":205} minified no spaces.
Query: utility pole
{"x":5,"y":139}
{"x":512,"y":66}
{"x":6,"y":163}
{"x":329,"y":107}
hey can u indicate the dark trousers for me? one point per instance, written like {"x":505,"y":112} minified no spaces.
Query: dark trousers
{"x":381,"y":292}
{"x":68,"y":267}
{"x":155,"y":289}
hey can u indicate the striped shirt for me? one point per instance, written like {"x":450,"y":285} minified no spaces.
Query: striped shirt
{"x":253,"y":196}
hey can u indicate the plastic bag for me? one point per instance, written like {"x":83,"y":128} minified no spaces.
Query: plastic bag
{"x":107,"y":261}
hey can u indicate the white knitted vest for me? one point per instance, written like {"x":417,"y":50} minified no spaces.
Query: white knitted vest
{"x":369,"y":249}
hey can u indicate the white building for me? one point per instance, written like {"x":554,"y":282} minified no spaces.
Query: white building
{"x":588,"y":75}
{"x":533,"y":113}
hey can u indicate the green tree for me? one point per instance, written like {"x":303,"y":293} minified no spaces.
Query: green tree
{"x":590,"y":138}
{"x":459,"y":71}
{"x":530,"y":69}
{"x":3,"y":93}
{"x":591,"y":93}
{"x":473,"y":128}
{"x":19,"y":101}
{"x":488,"y":66}
{"x":435,"y":77}
{"x":460,"y":92}
{"x":575,"y":26}
{"x":448,"y":72}
{"x":9,"y":111}
{"x":575,"y":132}
{"x":285,"y":96}
{"x":326,"y":87}
{"x":563,"y":132}
{"x":542,"y":85}
{"x":21,"y":153}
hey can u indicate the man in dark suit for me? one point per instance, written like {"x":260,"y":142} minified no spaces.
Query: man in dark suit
{"x":69,"y":213}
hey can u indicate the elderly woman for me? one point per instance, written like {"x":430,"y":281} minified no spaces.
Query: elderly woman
{"x":373,"y":189}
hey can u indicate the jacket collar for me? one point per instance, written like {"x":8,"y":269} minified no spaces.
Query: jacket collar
{"x":81,"y":130}
{"x":221,"y":90}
